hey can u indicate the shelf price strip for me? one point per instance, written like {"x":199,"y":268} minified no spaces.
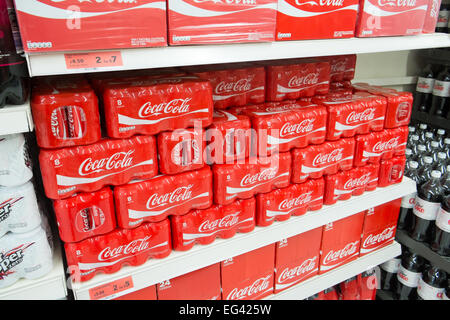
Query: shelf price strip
{"x":112,"y":289}
{"x":93,"y":60}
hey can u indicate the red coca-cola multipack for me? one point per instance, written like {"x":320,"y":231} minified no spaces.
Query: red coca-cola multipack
{"x":380,"y":224}
{"x":88,"y":168}
{"x":391,"y":171}
{"x":218,"y":221}
{"x":340,"y":242}
{"x":155,"y":199}
{"x":317,"y":19}
{"x":295,"y":200}
{"x":208,"y":21}
{"x":390,"y":18}
{"x":49,"y":25}
{"x":324,"y":159}
{"x":201,"y":284}
{"x":342,"y":70}
{"x":297,"y":259}
{"x":431,"y":17}
{"x":354,"y":182}
{"x":249,"y":276}
{"x":107,"y":253}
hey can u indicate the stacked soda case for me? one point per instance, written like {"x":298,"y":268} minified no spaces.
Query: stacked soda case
{"x":425,"y":214}
{"x":25,"y":243}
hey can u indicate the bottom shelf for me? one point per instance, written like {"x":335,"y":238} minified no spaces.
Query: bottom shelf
{"x":324,"y":281}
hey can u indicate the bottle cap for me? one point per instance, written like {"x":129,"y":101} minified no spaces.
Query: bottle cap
{"x":413,"y":164}
{"x":411,"y":129}
{"x":447,"y":140}
{"x":423,"y":126}
{"x":408,"y":151}
{"x":415,"y":137}
{"x":428,"y":160}
{"x":428,"y":134}
{"x":440,"y":132}
{"x":442,"y":155}
{"x":434,"y":144}
{"x":435,"y":174}
{"x":421,"y":147}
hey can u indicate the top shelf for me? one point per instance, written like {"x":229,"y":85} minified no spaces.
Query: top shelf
{"x":142,"y":58}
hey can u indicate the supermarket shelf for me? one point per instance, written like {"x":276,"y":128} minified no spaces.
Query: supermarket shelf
{"x":431,"y":120}
{"x":324,"y":281}
{"x":50,"y":287}
{"x":178,"y":263}
{"x":142,"y":58}
{"x":16,"y":119}
{"x":423,"y":250}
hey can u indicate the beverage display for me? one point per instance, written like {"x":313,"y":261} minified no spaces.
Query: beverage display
{"x":441,"y":241}
{"x":424,"y":89}
{"x":432,"y":284}
{"x":406,"y":209}
{"x":441,"y":92}
{"x":408,"y":276}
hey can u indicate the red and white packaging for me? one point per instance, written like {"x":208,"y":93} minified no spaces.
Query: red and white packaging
{"x":328,"y":294}
{"x":368,"y":284}
{"x":286,"y":126}
{"x":207,"y":21}
{"x":230,"y":133}
{"x":348,"y":116}
{"x":295,"y":200}
{"x":218,"y":221}
{"x":354,"y":182}
{"x":201,"y":284}
{"x":380,"y":224}
{"x":399,"y":104}
{"x":342,"y":69}
{"x":65,"y":116}
{"x":376,"y":146}
{"x":108,"y":253}
{"x":294,"y":79}
{"x":154,"y":105}
{"x":155,"y":199}
{"x":349,"y":289}
{"x":323,"y":159}
{"x":340,"y":242}
{"x":431,"y":16}
{"x":256,"y":175}
{"x":181,"y":150}
{"x":318,"y":19}
{"x":49,"y":25}
{"x":85,"y":215}
{"x":148,"y":293}
{"x":390,"y":18}
{"x":249,"y":276}
{"x":391,"y":171}
{"x":297,"y":259}
{"x":88,"y":168}
{"x":234,"y":85}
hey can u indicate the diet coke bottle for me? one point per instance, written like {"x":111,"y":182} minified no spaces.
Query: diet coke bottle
{"x":441,"y":165}
{"x":425,"y":170}
{"x":389,"y":271}
{"x":407,"y":205}
{"x":421,"y":152}
{"x":446,"y":181}
{"x":441,"y":241}
{"x":424,"y":89}
{"x":432,"y":284}
{"x":421,"y":131}
{"x":408,"y":276}
{"x":426,"y":206}
{"x":440,"y":136}
{"x":441,"y":93}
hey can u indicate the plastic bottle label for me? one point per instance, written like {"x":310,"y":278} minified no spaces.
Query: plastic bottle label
{"x":442,"y":19}
{"x":425,"y":85}
{"x":409,"y":200}
{"x":443,"y":220}
{"x":408,"y":278}
{"x":391,"y":266}
{"x":441,"y":88}
{"x":425,"y":209}
{"x":427,"y":292}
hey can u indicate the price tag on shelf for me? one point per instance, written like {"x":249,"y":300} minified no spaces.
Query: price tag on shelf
{"x":111,"y":289}
{"x":93,"y":60}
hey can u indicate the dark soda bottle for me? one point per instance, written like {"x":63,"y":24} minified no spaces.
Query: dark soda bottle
{"x":446,"y":181}
{"x":425,"y":169}
{"x":432,"y":284}
{"x":408,"y":276}
{"x":407,"y":204}
{"x":441,"y":241}
{"x":388,"y":275}
{"x":442,"y":22}
{"x":13,"y":79}
{"x":441,"y":92}
{"x":424,"y":90}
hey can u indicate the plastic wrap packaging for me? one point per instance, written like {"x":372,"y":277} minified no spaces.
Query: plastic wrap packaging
{"x":207,"y":21}
{"x":431,"y":16}
{"x":109,"y":252}
{"x":48,"y":25}
{"x":157,"y":198}
{"x":295,"y":200}
{"x":218,"y":221}
{"x":318,"y":19}
{"x":88,"y":168}
{"x":390,"y":17}
{"x":391,"y":171}
{"x":15,"y":163}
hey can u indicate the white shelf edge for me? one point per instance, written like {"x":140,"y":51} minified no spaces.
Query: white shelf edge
{"x":16,"y":119}
{"x":323,"y":281}
{"x":49,"y":287}
{"x":41,"y":64}
{"x":178,"y":263}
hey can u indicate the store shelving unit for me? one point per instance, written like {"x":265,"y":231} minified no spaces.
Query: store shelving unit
{"x":142,"y":58}
{"x":16,"y":119}
{"x":178,"y":263}
{"x":326,"y":280}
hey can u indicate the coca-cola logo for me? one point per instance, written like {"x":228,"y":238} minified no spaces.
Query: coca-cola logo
{"x":350,"y":184}
{"x":264,"y":175}
{"x":177,"y":195}
{"x":372,"y":240}
{"x":305,"y":126}
{"x":241,"y":85}
{"x":382,"y":146}
{"x":366,"y":115}
{"x":348,"y":250}
{"x":332,"y":157}
{"x":175,"y":106}
{"x":226,"y":222}
{"x":132,"y":248}
{"x":309,"y":79}
{"x":397,"y":3}
{"x":322,"y":3}
{"x":302,"y":199}
{"x":307,"y":266}
{"x":260,"y":285}
{"x":339,"y":66}
{"x":118,"y":160}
